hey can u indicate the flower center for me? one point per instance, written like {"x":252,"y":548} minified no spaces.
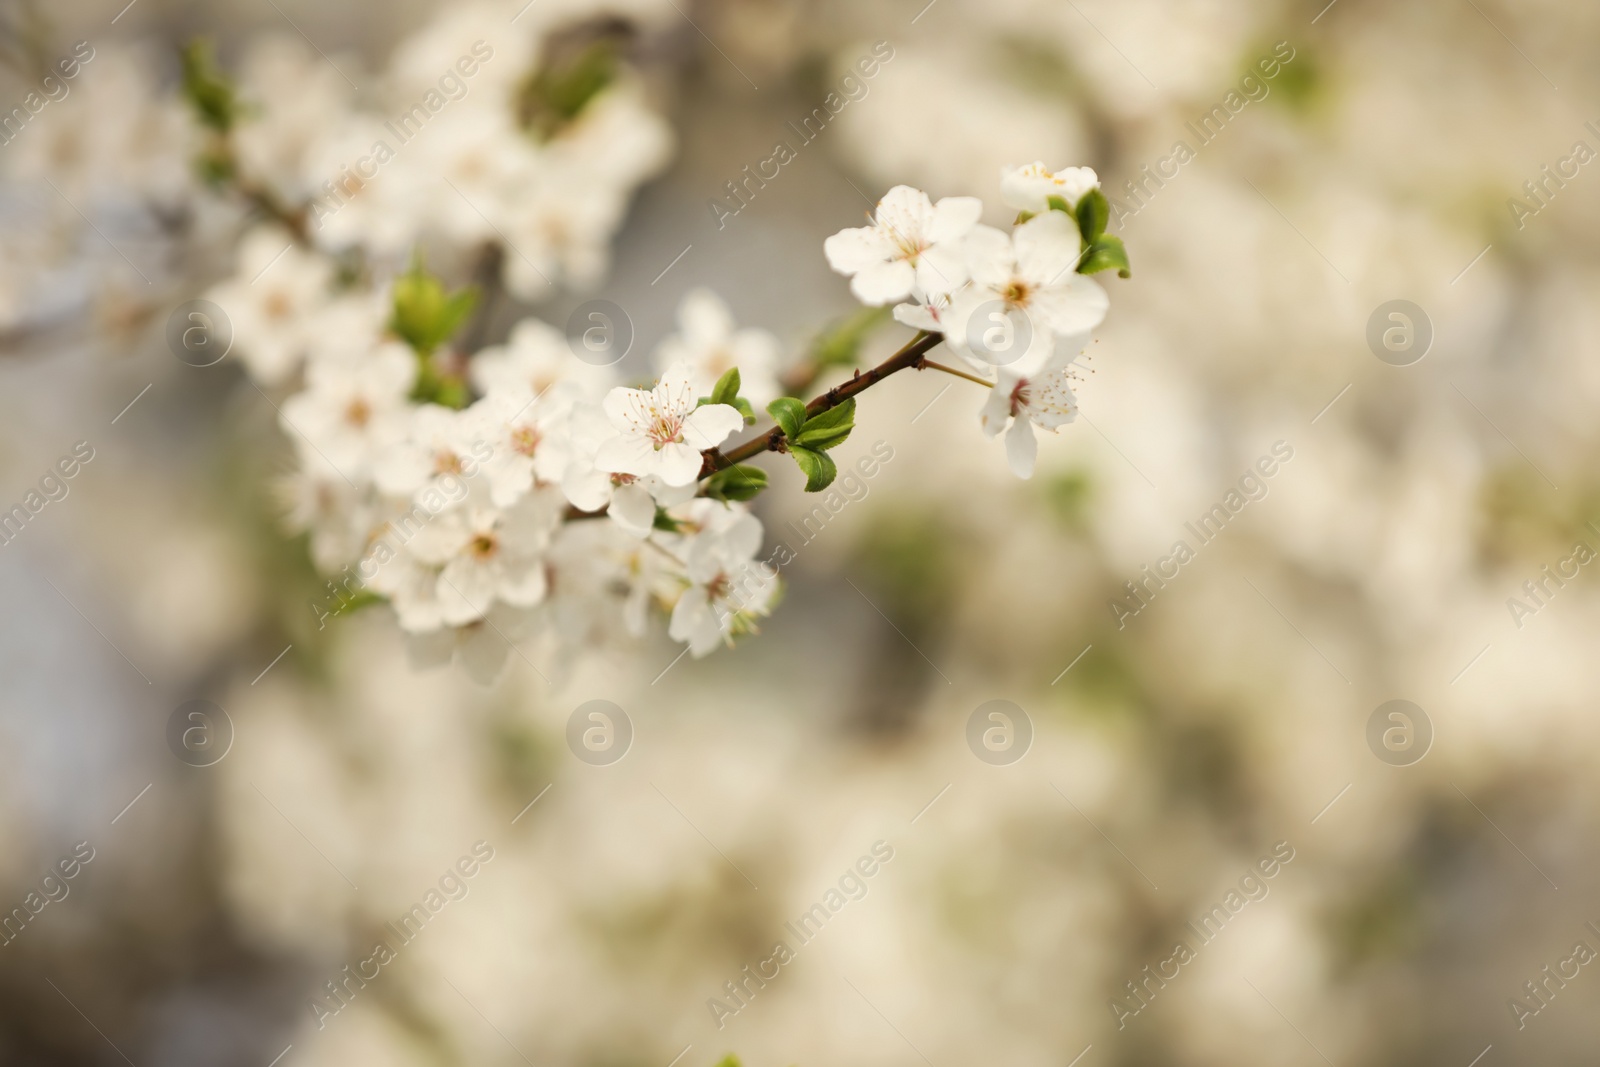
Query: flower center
{"x":910,"y":247}
{"x":278,"y":305}
{"x":525,"y":440}
{"x":446,"y":462}
{"x":664,"y":428}
{"x":1017,"y":294}
{"x":358,"y":412}
{"x":483,"y":546}
{"x":1019,"y":397}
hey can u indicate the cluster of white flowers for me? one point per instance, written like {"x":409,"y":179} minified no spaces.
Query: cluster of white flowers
{"x":557,"y":500}
{"x":476,"y":140}
{"x":543,"y":494}
{"x":1013,"y":305}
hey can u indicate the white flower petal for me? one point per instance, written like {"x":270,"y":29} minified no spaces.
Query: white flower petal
{"x":711,"y":424}
{"x":624,"y":407}
{"x":627,"y":455}
{"x":633,"y":509}
{"x":466,"y":590}
{"x":1074,"y":305}
{"x":918,"y":317}
{"x":586,"y":488}
{"x":953,"y":217}
{"x":524,"y":586}
{"x":997,"y":406}
{"x":852,"y":250}
{"x":1021,"y":448}
{"x":883,"y":283}
{"x":906,"y":213}
{"x":940,"y":270}
{"x":679,"y":463}
{"x":1047,"y":247}
{"x":989,"y":255}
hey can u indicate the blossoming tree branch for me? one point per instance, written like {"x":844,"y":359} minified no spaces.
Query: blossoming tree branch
{"x":494,"y":492}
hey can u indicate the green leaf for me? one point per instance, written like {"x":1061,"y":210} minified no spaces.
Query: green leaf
{"x":666,"y":523}
{"x":207,"y":90}
{"x":1094,"y":211}
{"x":789,"y":413}
{"x":562,"y":86}
{"x":425,"y":316}
{"x":727,"y":388}
{"x":828,"y":429}
{"x":817,"y":467}
{"x":1106,"y":253}
{"x":1058,"y":203}
{"x":727,"y":392}
{"x":730,"y":1060}
{"x":741,"y":482}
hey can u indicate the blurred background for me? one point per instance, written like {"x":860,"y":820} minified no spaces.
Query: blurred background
{"x":1440,"y":873}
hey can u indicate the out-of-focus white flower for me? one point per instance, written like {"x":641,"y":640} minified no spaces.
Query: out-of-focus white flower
{"x":528,"y":438}
{"x":660,"y":431}
{"x":1045,"y":401}
{"x":708,"y":342}
{"x":482,"y":162}
{"x":1030,"y":188}
{"x":272,"y":301}
{"x":354,"y":410}
{"x":487,"y":555}
{"x":295,"y":94}
{"x":335,"y":515}
{"x":347,"y":326}
{"x":382,"y":211}
{"x":559,"y":228}
{"x":1025,"y":290}
{"x":616,"y":137}
{"x":913,"y":244}
{"x":440,"y":446}
{"x":481,"y":647}
{"x":411,"y":584}
{"x":727,"y":586}
{"x":537,"y":357}
{"x":115,"y":143}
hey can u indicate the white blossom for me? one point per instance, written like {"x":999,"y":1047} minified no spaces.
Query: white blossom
{"x":710,"y":344}
{"x":272,"y":301}
{"x":1025,"y":291}
{"x":487,"y":555}
{"x":1044,"y":400}
{"x":1030,"y":188}
{"x":354,"y":410}
{"x":661,"y":431}
{"x":439,"y":448}
{"x":913,"y":245}
{"x":536,"y":357}
{"x":727,"y":586}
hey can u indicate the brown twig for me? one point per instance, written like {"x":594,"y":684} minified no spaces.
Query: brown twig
{"x":911,"y":356}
